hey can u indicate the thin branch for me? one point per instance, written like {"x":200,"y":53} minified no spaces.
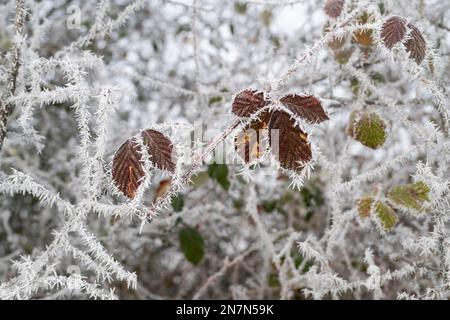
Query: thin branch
{"x":7,"y":107}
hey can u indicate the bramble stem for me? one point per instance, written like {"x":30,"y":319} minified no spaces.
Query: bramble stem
{"x":6,"y":107}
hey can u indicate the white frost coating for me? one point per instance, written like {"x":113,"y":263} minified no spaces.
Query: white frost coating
{"x":67,"y":232}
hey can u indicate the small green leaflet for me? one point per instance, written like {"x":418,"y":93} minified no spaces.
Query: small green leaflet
{"x":386,"y":215}
{"x":370,"y":130}
{"x":364,"y":206}
{"x":411,"y":196}
{"x":214,"y":100}
{"x":192,"y":245}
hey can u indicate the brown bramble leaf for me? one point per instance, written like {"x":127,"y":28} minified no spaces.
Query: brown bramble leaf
{"x":248,"y":102}
{"x":305,"y":107}
{"x":248,"y":143}
{"x":393,"y":31}
{"x":127,"y":168}
{"x":294,"y":151}
{"x":333,"y":8}
{"x":160,"y":149}
{"x":416,"y":45}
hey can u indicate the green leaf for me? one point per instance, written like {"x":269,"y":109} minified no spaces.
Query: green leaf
{"x":308,"y":265}
{"x":381,"y":7}
{"x":192,"y":245}
{"x":240,"y":7}
{"x":312,"y":196}
{"x":238,"y":204}
{"x":214,"y":100}
{"x":377,"y":77}
{"x":386,"y":215}
{"x":370,"y":130}
{"x":364,"y":206}
{"x":220,"y":173}
{"x":231,"y":28}
{"x":355,"y":85}
{"x":155,"y":46}
{"x":177,"y":203}
{"x":412,"y":196}
{"x":273,"y":280}
{"x":286,"y":197}
{"x":183,"y":28}
{"x":269,"y":205}
{"x":343,"y":56}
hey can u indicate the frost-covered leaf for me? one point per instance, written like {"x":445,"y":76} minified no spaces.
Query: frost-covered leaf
{"x":364,"y":206}
{"x":192,"y":245}
{"x":160,"y":149}
{"x":344,"y":55}
{"x":364,"y":37}
{"x":370,"y":130}
{"x":412,"y":196}
{"x":386,"y":215}
{"x":306,"y":107}
{"x":416,"y":45}
{"x":333,"y":8}
{"x":127,"y":170}
{"x":247,"y":102}
{"x":294,"y":150}
{"x":248,"y":143}
{"x":335,"y":43}
{"x":393,"y":31}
